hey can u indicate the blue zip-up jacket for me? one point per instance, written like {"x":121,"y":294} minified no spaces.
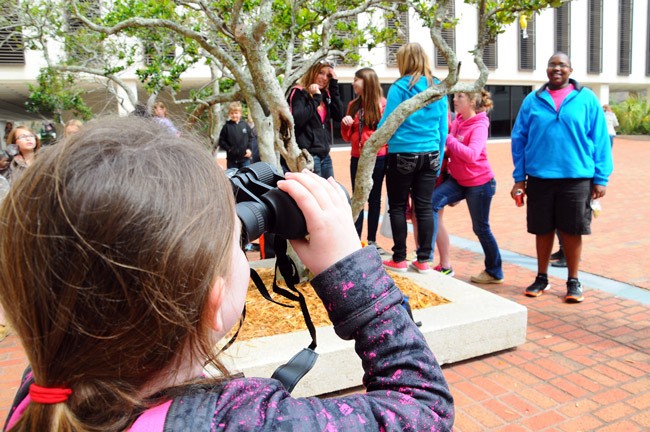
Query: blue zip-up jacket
{"x":571,"y":142}
{"x":424,"y":130}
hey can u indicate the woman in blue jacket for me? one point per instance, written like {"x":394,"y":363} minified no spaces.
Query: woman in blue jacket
{"x":413,"y":157}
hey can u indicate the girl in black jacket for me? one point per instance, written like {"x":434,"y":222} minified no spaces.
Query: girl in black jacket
{"x":314,"y":103}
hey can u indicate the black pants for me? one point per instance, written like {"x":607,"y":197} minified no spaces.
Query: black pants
{"x":415,"y":174}
{"x":374,"y":199}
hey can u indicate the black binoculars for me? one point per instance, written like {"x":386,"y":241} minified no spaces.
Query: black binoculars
{"x":261,"y":206}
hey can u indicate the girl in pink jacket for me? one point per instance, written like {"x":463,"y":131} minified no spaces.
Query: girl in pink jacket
{"x":471,"y":177}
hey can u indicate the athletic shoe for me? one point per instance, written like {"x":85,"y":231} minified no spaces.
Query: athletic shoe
{"x":421,"y":267}
{"x":401,"y":266}
{"x":559,"y":263}
{"x":557,"y":255}
{"x":445,"y":271}
{"x":538,"y":287}
{"x":379,"y":249}
{"x":573,"y":292}
{"x":485,"y":278}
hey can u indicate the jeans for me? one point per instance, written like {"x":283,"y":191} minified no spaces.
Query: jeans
{"x":323,"y":166}
{"x":478,"y":200}
{"x":238,"y":164}
{"x":413,"y":173}
{"x":374,"y":199}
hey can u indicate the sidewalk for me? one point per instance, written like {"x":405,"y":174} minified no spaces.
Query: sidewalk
{"x":584,"y":367}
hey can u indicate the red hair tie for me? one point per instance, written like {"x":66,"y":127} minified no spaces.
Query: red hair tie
{"x":45,"y":395}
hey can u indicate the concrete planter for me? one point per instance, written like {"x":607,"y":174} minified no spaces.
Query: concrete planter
{"x":474,"y":323}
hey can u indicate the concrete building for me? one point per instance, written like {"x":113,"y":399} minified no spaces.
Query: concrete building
{"x":608,"y":42}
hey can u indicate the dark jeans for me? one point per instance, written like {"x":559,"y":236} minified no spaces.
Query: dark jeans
{"x":374,"y":199}
{"x":478,"y":200}
{"x":323,"y":166}
{"x":413,"y":173}
{"x":237,"y":164}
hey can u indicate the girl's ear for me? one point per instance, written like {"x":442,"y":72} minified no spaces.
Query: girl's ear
{"x":214,"y":312}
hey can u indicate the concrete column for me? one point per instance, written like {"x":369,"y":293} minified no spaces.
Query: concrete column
{"x":602,"y":92}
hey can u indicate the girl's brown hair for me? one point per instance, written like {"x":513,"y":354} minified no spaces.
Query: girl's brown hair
{"x":310,"y":76}
{"x":413,"y":61}
{"x":482,"y":101}
{"x":109,"y":246}
{"x":15,"y":133}
{"x":370,"y":98}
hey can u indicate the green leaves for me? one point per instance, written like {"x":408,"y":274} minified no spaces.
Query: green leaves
{"x":56,"y":93}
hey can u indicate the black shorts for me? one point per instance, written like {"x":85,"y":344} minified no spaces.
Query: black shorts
{"x":562,"y":204}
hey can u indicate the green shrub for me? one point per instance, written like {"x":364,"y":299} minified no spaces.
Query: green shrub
{"x":633,"y":116}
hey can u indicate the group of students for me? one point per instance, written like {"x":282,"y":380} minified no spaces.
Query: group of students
{"x":121,"y":265}
{"x":410,"y":160}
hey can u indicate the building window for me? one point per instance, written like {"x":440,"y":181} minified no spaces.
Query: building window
{"x":11,"y":46}
{"x":624,"y":37}
{"x":563,"y":29}
{"x":82,"y":51}
{"x":527,"y":45}
{"x":595,"y":37}
{"x":507,"y":102}
{"x":490,"y":54}
{"x":449,"y":35}
{"x":342,"y":31}
{"x":401,"y":24}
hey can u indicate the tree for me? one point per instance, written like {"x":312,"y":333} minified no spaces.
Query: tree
{"x":257,"y":49}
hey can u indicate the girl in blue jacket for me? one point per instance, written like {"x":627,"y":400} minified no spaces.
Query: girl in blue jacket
{"x":413,"y":157}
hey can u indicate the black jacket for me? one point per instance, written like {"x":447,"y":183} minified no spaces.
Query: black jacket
{"x":235,"y":139}
{"x":311,"y":132}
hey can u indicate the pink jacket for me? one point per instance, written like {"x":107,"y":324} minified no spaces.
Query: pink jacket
{"x":466,"y":141}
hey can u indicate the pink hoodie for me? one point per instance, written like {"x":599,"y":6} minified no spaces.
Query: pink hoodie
{"x":466,"y":141}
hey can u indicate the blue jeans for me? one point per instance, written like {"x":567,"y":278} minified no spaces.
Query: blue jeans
{"x":478,"y":200}
{"x":374,"y":199}
{"x":413,"y":173}
{"x":323,"y":166}
{"x":238,"y":164}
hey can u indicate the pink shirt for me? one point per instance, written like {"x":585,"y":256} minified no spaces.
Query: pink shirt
{"x":559,"y":95}
{"x":466,"y":144}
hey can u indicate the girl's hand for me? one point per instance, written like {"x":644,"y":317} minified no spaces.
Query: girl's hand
{"x":347,"y":120}
{"x":332,"y":235}
{"x":313,"y":89}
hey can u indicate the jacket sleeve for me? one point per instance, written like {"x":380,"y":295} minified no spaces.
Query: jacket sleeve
{"x":519,"y":139}
{"x":348,"y":131}
{"x":470,"y":151}
{"x":336,"y":106}
{"x":395,"y":97}
{"x":602,"y":148}
{"x":406,"y":390}
{"x":223,"y":139}
{"x":443,"y":124}
{"x":303,"y":107}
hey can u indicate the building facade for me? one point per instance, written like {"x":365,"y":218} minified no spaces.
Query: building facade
{"x":608,"y":43}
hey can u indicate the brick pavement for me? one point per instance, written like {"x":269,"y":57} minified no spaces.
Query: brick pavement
{"x":584,"y":367}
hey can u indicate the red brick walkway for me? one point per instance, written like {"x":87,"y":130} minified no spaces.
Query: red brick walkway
{"x":584,"y":367}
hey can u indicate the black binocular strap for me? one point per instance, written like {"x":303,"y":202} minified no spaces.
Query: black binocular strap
{"x":290,"y":373}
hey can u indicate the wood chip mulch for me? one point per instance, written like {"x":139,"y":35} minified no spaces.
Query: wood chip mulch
{"x":264,"y":318}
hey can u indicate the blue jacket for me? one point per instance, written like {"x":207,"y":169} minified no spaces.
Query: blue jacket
{"x":571,"y":142}
{"x":424,"y":130}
